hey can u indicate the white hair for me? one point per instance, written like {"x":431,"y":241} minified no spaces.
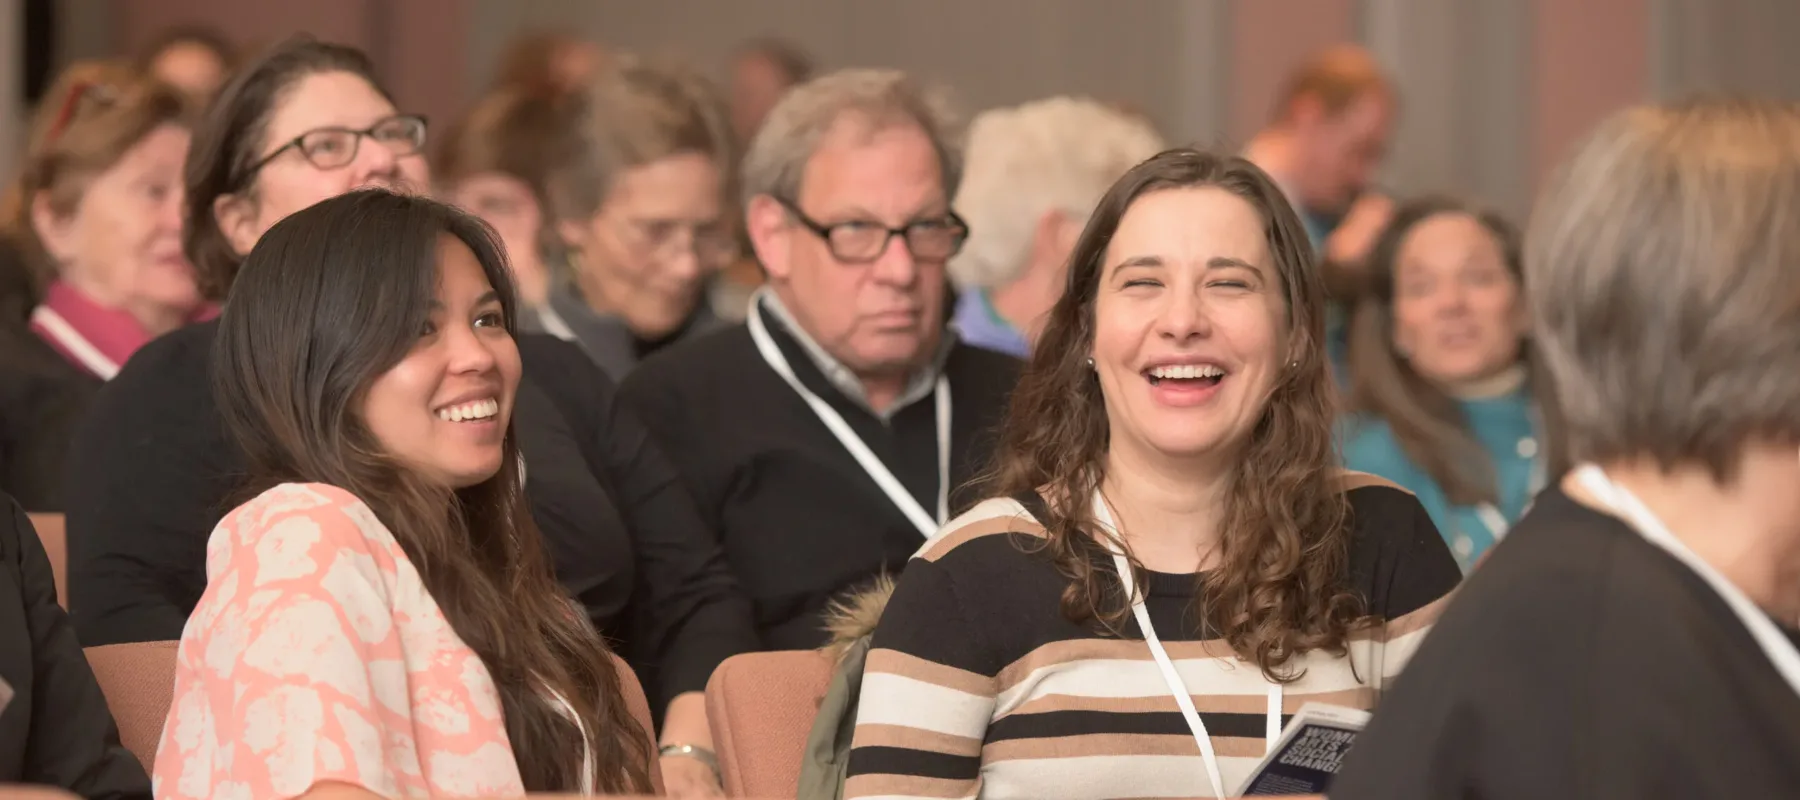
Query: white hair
{"x":1022,"y":162}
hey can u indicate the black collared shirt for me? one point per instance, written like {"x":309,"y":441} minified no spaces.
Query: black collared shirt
{"x":153,"y":471}
{"x":800,"y":520}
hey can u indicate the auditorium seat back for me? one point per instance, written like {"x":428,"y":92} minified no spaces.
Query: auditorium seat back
{"x":139,"y":683}
{"x":761,"y":708}
{"x":138,"y":680}
{"x":52,"y":531}
{"x":20,"y":792}
{"x":639,"y":706}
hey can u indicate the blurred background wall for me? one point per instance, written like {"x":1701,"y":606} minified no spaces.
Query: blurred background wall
{"x":1493,"y":90}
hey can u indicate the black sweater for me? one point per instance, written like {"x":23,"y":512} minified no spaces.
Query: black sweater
{"x":152,"y":471}
{"x":800,"y":520}
{"x":56,"y":730}
{"x":1582,"y":661}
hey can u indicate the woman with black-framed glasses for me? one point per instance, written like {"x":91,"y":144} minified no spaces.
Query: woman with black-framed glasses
{"x":310,"y":148}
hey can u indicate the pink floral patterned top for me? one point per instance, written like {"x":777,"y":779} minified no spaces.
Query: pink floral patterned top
{"x":317,"y":655}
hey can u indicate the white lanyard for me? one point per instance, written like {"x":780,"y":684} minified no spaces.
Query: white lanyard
{"x":74,"y":343}
{"x":1178,"y":688}
{"x":902,"y":499}
{"x":1776,"y":645}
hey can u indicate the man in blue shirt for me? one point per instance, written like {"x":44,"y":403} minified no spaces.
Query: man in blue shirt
{"x":1328,"y":139}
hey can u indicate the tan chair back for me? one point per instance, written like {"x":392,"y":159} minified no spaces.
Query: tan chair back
{"x":138,"y":680}
{"x":761,"y":708}
{"x":53,"y":532}
{"x":139,"y":683}
{"x":13,"y":791}
{"x":639,"y":706}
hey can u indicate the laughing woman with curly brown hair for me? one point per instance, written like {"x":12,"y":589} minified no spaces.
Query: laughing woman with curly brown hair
{"x":1172,"y":436}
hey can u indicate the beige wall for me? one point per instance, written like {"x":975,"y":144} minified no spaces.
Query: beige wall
{"x":1494,"y":92}
{"x":992,"y":52}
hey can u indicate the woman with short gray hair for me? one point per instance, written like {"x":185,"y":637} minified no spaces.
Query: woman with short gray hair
{"x":1033,"y":173}
{"x":1635,"y":635}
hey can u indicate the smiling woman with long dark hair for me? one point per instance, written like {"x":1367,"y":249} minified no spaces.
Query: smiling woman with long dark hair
{"x":1166,"y":492}
{"x":385,"y":583}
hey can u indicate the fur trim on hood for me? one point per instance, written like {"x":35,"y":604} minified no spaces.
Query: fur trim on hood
{"x":852,"y":615}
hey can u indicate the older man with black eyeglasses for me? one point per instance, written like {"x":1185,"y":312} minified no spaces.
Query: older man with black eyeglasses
{"x":826,"y":437}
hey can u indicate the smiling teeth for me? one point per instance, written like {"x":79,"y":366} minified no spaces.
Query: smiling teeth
{"x":465,"y":412}
{"x":1187,"y":371}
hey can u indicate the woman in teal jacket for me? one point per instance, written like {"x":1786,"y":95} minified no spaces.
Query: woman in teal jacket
{"x":1446,"y":398}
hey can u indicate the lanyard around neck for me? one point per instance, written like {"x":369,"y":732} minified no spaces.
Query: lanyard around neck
{"x":1775,"y":645}
{"x":897,"y":493}
{"x":1177,"y":687}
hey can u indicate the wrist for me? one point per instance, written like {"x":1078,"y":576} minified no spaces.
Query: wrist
{"x":693,"y":751}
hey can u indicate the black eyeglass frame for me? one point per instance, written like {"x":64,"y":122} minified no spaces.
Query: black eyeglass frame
{"x":355,"y":146}
{"x":823,"y":231}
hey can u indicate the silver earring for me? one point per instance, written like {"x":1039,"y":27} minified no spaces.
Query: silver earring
{"x":1090,"y":362}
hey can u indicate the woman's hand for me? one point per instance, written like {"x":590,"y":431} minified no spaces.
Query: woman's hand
{"x":686,"y":776}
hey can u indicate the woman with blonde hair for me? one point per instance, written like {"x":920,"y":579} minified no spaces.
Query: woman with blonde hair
{"x":640,"y":204}
{"x":95,"y":215}
{"x":1170,"y":550}
{"x":1635,"y":635}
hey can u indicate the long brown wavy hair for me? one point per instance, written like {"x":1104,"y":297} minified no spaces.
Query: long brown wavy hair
{"x":1427,"y":422}
{"x":330,"y":299}
{"x":1280,"y":587}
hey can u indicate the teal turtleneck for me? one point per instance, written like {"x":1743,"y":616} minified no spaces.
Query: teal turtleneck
{"x":1505,"y":426}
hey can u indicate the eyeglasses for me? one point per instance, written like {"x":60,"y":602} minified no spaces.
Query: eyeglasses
{"x":664,"y":239}
{"x":336,"y":148}
{"x":863,"y":241}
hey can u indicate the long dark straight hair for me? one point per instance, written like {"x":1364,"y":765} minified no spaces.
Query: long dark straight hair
{"x":1428,"y":423}
{"x":1280,"y":588}
{"x":330,"y":299}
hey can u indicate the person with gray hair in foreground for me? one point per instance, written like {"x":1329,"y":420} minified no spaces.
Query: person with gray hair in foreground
{"x":1635,"y":635}
{"x":823,"y":438}
{"x":1034,"y":173}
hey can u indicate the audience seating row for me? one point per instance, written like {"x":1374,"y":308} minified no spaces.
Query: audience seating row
{"x":761,"y":705}
{"x":51,"y":531}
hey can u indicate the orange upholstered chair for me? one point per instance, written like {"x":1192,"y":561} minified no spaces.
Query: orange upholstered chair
{"x":639,"y":705}
{"x":19,"y":792}
{"x":52,"y":531}
{"x":139,"y":683}
{"x":761,"y":707}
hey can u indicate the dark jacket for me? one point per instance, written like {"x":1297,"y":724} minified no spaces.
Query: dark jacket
{"x":42,"y":399}
{"x":56,"y":729}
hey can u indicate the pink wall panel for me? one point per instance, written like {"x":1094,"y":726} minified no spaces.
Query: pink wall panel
{"x":1590,"y":59}
{"x":1268,"y":39}
{"x":419,"y":46}
{"x":247,"y":22}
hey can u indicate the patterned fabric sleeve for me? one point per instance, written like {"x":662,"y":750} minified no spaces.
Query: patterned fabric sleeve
{"x":304,"y":664}
{"x":928,"y":695}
